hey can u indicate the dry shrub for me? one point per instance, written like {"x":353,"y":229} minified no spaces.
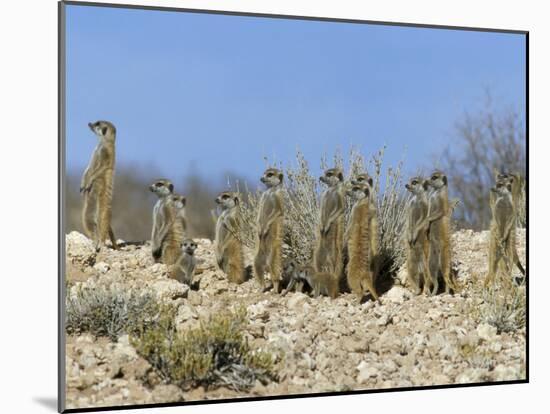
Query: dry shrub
{"x":109,"y":311}
{"x":504,"y":305}
{"x":214,"y":354}
{"x":302,"y":191}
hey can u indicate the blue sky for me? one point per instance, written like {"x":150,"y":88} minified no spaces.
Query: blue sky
{"x":219,"y":93}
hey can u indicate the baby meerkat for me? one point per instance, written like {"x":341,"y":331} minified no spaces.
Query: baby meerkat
{"x":330,"y":238}
{"x":360,"y":275}
{"x":228,"y":248}
{"x":292,"y":277}
{"x":418,"y":270}
{"x":184,"y":269}
{"x":500,"y":246}
{"x":167,"y":233}
{"x":179,"y":204}
{"x":97,"y":186}
{"x":270,"y":229}
{"x":321,"y":283}
{"x":439,"y":231}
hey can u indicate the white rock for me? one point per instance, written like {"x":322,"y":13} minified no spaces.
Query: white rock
{"x":366,"y":371}
{"x":101,"y":267}
{"x":398,"y":294}
{"x":486,"y":331}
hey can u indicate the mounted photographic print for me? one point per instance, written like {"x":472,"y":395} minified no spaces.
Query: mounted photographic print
{"x":261,"y":206}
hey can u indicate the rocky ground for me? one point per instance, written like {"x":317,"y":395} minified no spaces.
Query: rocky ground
{"x":327,"y":345}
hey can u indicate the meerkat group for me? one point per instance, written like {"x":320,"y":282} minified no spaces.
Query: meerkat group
{"x":343,"y":252}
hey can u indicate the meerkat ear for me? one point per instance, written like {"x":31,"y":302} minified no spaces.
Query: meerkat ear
{"x":367,"y":191}
{"x":445,"y":179}
{"x":104,"y":130}
{"x":183,"y":200}
{"x":425,"y":184}
{"x":340,"y":176}
{"x":370,"y":181}
{"x":171,"y":187}
{"x":236,"y":198}
{"x":281,"y":176}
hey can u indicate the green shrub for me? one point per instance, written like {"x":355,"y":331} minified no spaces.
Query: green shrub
{"x":214,"y":354}
{"x":110,"y":312}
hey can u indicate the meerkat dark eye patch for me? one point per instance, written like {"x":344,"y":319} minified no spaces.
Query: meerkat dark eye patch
{"x":158,"y":184}
{"x":414,"y":182}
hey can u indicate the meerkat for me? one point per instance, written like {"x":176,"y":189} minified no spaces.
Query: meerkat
{"x":500,"y":244}
{"x":228,"y":248}
{"x":291,"y":277}
{"x":167,"y":233}
{"x":516,"y":181}
{"x":321,"y":283}
{"x":97,"y":186}
{"x":359,"y":273}
{"x":365,"y":178}
{"x":270,"y":229}
{"x":184,"y":268}
{"x":439,"y":231}
{"x":179,"y":204}
{"x":418,"y":270}
{"x":328,"y":255}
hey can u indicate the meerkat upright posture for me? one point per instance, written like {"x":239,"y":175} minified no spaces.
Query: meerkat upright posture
{"x":167,"y":234}
{"x":439,"y":231}
{"x":184,"y":268}
{"x":330,"y":239}
{"x":360,"y":275}
{"x":516,"y":181}
{"x":179,"y":204}
{"x":228,"y":248}
{"x":500,"y":244}
{"x":417,"y":239}
{"x":365,"y":178}
{"x":270,"y":229}
{"x":97,"y":186}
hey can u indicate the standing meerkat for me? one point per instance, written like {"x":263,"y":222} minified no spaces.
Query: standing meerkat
{"x":270,"y":229}
{"x":184,"y":268}
{"x":500,"y":246}
{"x":167,"y":233}
{"x":516,"y":182}
{"x":418,"y":271}
{"x":360,"y":275}
{"x":327,"y":256}
{"x":179,"y":204}
{"x":365,"y":178}
{"x":228,"y":248}
{"x":439,"y":231}
{"x":97,"y":186}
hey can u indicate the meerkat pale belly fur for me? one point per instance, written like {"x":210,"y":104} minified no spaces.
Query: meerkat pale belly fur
{"x":97,"y":186}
